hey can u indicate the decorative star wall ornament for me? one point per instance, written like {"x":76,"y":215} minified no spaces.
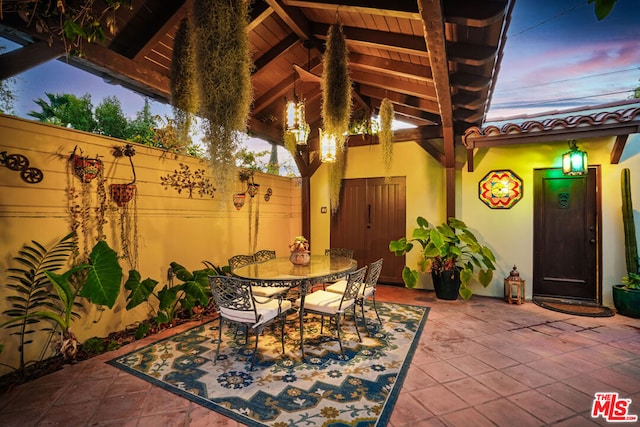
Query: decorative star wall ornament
{"x":500,"y":189}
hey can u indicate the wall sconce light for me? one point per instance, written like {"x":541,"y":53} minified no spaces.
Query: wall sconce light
{"x":328,"y":146}
{"x":574,"y":161}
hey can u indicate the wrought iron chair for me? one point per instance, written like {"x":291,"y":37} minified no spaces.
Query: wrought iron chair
{"x":237,"y":305}
{"x":238,"y":261}
{"x":264,"y":255}
{"x":367,"y":290}
{"x":338,"y":252}
{"x":332,"y":304}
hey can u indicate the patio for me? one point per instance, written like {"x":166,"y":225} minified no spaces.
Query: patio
{"x":480,"y":362}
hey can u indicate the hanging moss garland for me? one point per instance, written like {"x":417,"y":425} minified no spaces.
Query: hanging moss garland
{"x":336,"y":84}
{"x":223,"y":68}
{"x":184,"y":88}
{"x":336,"y":105}
{"x":385,"y":135}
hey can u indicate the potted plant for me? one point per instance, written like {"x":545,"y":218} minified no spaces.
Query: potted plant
{"x":451,"y":253}
{"x":122,"y":193}
{"x":626,"y":296}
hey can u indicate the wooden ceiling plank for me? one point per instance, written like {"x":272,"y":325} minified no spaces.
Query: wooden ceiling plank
{"x":401,"y":98}
{"x":618,"y":148}
{"x":167,"y":28}
{"x":411,"y":45}
{"x":275,"y":52}
{"x":390,"y":66}
{"x":400,"y":8}
{"x":260,"y":11}
{"x":418,"y":133}
{"x":376,"y":80}
{"x":292,"y":17}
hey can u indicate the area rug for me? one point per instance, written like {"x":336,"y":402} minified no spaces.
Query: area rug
{"x":325,"y":389}
{"x":575,"y":309}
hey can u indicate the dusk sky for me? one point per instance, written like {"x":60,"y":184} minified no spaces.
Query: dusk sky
{"x":557,"y":56}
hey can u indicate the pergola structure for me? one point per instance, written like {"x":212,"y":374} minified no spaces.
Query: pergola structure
{"x":436,"y":61}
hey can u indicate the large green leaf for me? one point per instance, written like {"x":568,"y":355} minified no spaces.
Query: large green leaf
{"x":197,"y":291}
{"x":168,"y":296}
{"x":485,"y":277}
{"x":139,"y":290}
{"x":410,"y":277}
{"x":103,"y":282}
{"x":181,"y":272}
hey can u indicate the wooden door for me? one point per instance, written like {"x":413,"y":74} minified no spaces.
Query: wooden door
{"x":566,"y":236}
{"x":372,"y":213}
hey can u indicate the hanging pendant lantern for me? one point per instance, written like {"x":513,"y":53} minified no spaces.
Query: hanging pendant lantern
{"x":574,"y":161}
{"x":328,"y":146}
{"x":295,"y":119}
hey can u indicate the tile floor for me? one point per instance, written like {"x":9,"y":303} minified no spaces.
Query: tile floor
{"x":481,"y":362}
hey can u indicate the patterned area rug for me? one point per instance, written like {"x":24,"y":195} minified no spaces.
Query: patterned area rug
{"x":283,"y":390}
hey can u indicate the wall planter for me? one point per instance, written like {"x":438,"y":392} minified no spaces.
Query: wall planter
{"x":86,"y":168}
{"x":122,"y":193}
{"x":253,"y":188}
{"x":238,"y":200}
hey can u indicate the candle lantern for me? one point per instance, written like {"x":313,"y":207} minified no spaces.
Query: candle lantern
{"x":514,"y":287}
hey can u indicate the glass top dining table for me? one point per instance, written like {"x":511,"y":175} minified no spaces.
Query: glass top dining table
{"x":321,"y":268}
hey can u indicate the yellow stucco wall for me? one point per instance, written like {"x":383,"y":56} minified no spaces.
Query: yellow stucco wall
{"x":425,"y":181}
{"x":171,"y":227}
{"x":508,"y":232}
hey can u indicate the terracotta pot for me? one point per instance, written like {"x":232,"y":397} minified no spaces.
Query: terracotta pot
{"x":122,"y":193}
{"x":238,"y":200}
{"x":300,"y":257}
{"x":85,"y":168}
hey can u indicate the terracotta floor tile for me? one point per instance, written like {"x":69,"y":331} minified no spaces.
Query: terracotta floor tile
{"x":439,"y":400}
{"x":471,"y":391}
{"x":443,"y":372}
{"x":548,"y":410}
{"x":568,"y":396}
{"x":501,"y":383}
{"x":479,"y":362}
{"x":528,"y":376}
{"x":507,"y":414}
{"x":467,"y":417}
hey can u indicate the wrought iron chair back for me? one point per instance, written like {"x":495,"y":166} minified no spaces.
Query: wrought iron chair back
{"x":347,"y":253}
{"x":264,"y":255}
{"x":238,"y":261}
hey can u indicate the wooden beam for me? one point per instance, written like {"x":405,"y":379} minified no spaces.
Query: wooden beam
{"x":476,"y":14}
{"x":417,"y":134}
{"x":293,"y":18}
{"x":471,"y":54}
{"x":426,"y":105}
{"x":390,"y":67}
{"x":470,"y":82}
{"x":433,"y":24}
{"x":22,"y":59}
{"x":470,"y":163}
{"x":394,"y":42}
{"x":281,"y":48}
{"x":398,"y":9}
{"x":618,"y":148}
{"x":377,"y":80}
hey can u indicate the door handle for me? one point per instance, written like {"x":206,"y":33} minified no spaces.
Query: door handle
{"x":368,"y":216}
{"x":592,"y":240}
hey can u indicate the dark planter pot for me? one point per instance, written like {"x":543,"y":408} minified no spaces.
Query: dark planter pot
{"x":626,"y":301}
{"x":447,"y":284}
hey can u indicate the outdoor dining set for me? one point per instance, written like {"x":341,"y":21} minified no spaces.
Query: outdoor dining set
{"x":264,"y":289}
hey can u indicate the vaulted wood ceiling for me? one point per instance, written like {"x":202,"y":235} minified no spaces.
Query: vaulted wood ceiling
{"x":436,"y":61}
